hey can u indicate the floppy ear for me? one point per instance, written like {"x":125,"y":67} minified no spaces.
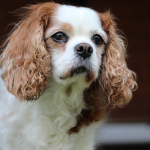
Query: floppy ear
{"x":25,"y":60}
{"x":116,"y":79}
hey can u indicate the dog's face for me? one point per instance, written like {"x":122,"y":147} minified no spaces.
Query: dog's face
{"x":76,"y":41}
{"x":69,"y":44}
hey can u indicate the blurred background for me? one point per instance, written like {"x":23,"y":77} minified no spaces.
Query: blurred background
{"x":127,"y":128}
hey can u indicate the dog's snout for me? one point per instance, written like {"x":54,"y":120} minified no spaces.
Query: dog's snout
{"x":84,"y":50}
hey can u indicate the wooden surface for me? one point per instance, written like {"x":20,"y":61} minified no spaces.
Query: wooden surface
{"x":134,"y":20}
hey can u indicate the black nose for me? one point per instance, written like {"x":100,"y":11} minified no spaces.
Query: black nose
{"x":84,"y":50}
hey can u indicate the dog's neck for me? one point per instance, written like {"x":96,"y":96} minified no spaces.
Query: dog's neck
{"x":63,"y":103}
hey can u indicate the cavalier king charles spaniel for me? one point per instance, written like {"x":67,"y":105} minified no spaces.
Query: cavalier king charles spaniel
{"x":61,"y":66}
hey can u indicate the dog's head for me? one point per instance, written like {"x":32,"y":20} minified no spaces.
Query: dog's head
{"x":69,"y":44}
{"x":76,"y":43}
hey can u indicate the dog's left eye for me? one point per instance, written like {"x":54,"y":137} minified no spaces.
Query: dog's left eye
{"x":60,"y":37}
{"x":97,"y":39}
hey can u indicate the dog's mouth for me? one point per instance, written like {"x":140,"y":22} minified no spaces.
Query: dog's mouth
{"x":77,"y":71}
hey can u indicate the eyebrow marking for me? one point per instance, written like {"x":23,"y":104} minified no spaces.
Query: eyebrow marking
{"x":60,"y":27}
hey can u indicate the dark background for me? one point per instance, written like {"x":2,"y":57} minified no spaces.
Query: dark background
{"x":134,"y":20}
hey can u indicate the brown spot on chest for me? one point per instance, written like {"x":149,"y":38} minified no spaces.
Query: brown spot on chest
{"x":95,"y":108}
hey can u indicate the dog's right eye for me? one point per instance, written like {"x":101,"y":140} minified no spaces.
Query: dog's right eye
{"x":60,"y":37}
{"x":97,"y":39}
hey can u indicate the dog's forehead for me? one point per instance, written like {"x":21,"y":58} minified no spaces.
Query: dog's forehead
{"x":79,"y":17}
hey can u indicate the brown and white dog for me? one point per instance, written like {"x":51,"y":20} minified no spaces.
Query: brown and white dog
{"x":61,"y":66}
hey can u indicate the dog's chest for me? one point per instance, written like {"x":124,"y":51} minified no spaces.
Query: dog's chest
{"x":48,"y":131}
{"x":43,"y":124}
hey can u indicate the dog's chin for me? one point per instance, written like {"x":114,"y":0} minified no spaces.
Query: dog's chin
{"x":81,"y":75}
{"x":76,"y":71}
{"x":80,"y":70}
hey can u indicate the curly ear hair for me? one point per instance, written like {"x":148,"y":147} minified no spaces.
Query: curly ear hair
{"x":25,"y":60}
{"x":116,"y":79}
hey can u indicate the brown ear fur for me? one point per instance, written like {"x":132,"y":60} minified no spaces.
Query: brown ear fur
{"x":116,"y":79}
{"x":25,"y":61}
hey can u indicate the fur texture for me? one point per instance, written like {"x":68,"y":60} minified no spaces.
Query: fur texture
{"x":52,"y":98}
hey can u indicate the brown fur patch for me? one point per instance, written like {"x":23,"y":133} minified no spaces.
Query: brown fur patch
{"x":50,"y":44}
{"x":90,"y":77}
{"x":61,"y":26}
{"x":95,"y":110}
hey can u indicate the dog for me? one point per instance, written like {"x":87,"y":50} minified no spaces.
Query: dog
{"x":61,"y":67}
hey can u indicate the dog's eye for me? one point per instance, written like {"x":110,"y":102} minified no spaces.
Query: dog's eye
{"x":97,"y":39}
{"x":60,"y":37}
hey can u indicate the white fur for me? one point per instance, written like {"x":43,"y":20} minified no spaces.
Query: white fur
{"x":44,"y":124}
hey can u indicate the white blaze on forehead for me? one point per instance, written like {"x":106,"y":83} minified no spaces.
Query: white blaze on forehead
{"x":83,"y":20}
